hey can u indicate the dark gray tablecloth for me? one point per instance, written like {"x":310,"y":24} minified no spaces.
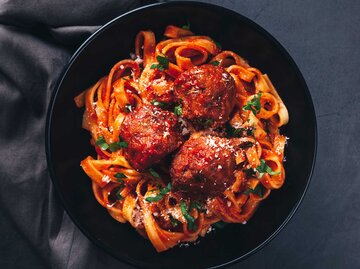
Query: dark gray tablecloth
{"x":37,"y":39}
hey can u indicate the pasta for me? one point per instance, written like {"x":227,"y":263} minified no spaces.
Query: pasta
{"x":146,"y":198}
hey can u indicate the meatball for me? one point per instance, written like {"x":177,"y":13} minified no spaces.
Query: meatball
{"x":204,"y":166}
{"x":207,"y":95}
{"x":151,"y":134}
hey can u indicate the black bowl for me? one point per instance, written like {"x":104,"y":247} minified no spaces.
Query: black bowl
{"x":67,"y":143}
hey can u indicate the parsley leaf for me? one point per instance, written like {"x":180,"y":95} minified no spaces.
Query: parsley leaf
{"x":117,"y":145}
{"x":154,"y":173}
{"x":207,"y":122}
{"x":178,"y":110}
{"x":158,"y":103}
{"x":232,"y":131}
{"x":128,"y":108}
{"x":264,"y":168}
{"x":118,"y":194}
{"x":199,"y":206}
{"x":160,"y":195}
{"x":163,"y":63}
{"x":217,"y":44}
{"x":254,"y":104}
{"x":190,"y":219}
{"x":187,"y":25}
{"x":246,"y":144}
{"x":121,"y":186}
{"x":174,"y":221}
{"x":238,"y":132}
{"x":215,"y":63}
{"x":120,"y":175}
{"x":250,"y":131}
{"x":102,"y":143}
{"x":114,"y":147}
{"x":259,"y":190}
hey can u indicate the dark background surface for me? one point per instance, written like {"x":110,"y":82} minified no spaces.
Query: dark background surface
{"x":37,"y":39}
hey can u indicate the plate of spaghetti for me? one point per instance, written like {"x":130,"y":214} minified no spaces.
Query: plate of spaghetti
{"x":178,"y":137}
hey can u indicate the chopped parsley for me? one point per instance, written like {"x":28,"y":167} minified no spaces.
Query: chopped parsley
{"x":187,"y":25}
{"x":174,"y":221}
{"x":250,"y":131}
{"x":238,"y":132}
{"x":215,"y":63}
{"x":264,"y":168}
{"x":163,"y":63}
{"x":119,"y":176}
{"x":246,"y":144}
{"x":113,"y":146}
{"x":207,"y":122}
{"x":122,"y":186}
{"x":254,"y":104}
{"x":158,"y":103}
{"x":190,"y":219}
{"x":178,"y":110}
{"x":259,"y":190}
{"x":118,"y":194}
{"x":118,"y":145}
{"x":128,"y":108}
{"x":102,"y":143}
{"x":199,"y":206}
{"x":154,"y":173}
{"x":232,"y":131}
{"x":218,"y":45}
{"x":160,"y":195}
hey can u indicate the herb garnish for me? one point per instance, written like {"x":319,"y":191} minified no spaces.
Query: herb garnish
{"x":117,"y":145}
{"x":232,"y":131}
{"x":118,"y":194}
{"x":264,"y":168}
{"x":174,"y":221}
{"x":250,"y":131}
{"x":113,"y":146}
{"x":102,"y":143}
{"x":122,"y":186}
{"x":207,"y":122}
{"x":199,"y":206}
{"x":160,"y":195}
{"x":190,"y":219}
{"x":217,"y":44}
{"x":254,"y":104}
{"x":187,"y":25}
{"x":259,"y":190}
{"x":238,"y":132}
{"x":163,"y":63}
{"x":178,"y":110}
{"x":120,"y":175}
{"x":246,"y":144}
{"x":128,"y":108}
{"x":215,"y":63}
{"x":154,"y":173}
{"x":158,"y":103}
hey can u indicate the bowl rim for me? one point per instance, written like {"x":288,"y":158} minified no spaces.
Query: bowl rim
{"x":73,"y":58}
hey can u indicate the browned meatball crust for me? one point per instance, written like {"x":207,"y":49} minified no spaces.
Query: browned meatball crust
{"x":151,"y":134}
{"x":204,"y":166}
{"x":207,"y":95}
